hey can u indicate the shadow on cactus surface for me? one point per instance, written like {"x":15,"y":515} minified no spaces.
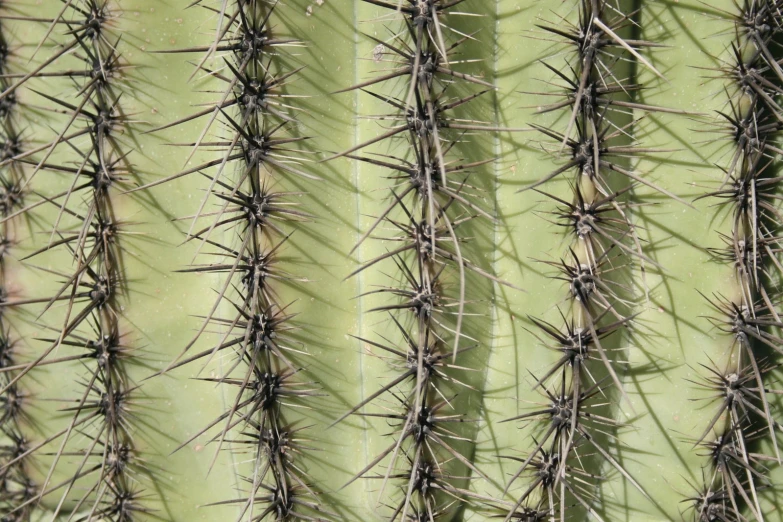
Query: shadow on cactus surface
{"x":415,"y":260}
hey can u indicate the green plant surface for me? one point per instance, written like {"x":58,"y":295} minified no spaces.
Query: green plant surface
{"x":659,"y":357}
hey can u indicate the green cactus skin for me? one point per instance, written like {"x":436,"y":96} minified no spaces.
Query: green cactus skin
{"x":162,"y":309}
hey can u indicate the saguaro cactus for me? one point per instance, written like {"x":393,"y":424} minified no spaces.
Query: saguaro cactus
{"x":409,"y":260}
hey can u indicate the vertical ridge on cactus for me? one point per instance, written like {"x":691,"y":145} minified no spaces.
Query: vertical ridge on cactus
{"x":748,"y":310}
{"x":421,"y":91}
{"x":16,"y":486}
{"x":598,"y":138}
{"x":247,"y":234}
{"x":104,"y":472}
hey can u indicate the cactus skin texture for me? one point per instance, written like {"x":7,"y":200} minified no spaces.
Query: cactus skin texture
{"x":426,"y":260}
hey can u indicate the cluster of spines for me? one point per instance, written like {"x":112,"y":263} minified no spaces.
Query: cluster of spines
{"x":598,"y":105}
{"x":258,"y":149}
{"x":425,"y":91}
{"x":742,"y":379}
{"x":16,"y":485}
{"x":95,"y":452}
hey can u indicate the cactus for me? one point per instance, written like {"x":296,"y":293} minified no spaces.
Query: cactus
{"x":403,"y":260}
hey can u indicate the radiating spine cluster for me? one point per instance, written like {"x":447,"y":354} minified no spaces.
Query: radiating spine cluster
{"x":425,"y":90}
{"x":742,"y":379}
{"x":258,"y":150}
{"x":598,"y":103}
